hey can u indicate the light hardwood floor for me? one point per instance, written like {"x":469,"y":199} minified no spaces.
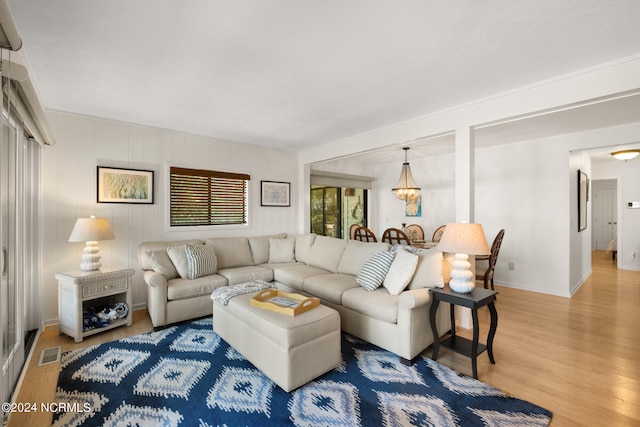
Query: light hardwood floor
{"x":576,"y":357}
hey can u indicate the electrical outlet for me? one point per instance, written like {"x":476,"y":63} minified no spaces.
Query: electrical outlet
{"x":512,"y":266}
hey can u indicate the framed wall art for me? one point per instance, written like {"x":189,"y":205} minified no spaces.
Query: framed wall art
{"x":274,"y":193}
{"x":116,"y":185}
{"x":583,"y":198}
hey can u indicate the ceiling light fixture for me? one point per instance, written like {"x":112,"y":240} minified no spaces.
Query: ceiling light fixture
{"x":625,"y":154}
{"x":406,"y":188}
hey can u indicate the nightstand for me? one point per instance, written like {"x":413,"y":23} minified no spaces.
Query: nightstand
{"x":80,"y":289}
{"x":478,"y":297}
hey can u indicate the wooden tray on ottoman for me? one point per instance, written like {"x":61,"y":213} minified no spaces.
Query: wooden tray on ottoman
{"x":284,"y":302}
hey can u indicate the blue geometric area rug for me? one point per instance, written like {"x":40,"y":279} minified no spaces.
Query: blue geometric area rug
{"x":186,"y":375}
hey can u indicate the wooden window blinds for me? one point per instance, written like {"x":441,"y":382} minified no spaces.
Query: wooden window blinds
{"x":203,"y":197}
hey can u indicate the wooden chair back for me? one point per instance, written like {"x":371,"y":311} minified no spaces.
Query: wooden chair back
{"x":364,"y":235}
{"x":414,"y":232}
{"x":437,"y":235}
{"x":487,"y":275}
{"x":395,"y":236}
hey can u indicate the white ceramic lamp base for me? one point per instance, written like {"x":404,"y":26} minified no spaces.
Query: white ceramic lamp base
{"x":462,"y":279}
{"x":91,"y":257}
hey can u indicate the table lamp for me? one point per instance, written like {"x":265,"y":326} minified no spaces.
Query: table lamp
{"x":90,"y":230}
{"x":463,"y":240}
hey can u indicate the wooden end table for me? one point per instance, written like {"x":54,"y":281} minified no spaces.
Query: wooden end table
{"x":478,"y":297}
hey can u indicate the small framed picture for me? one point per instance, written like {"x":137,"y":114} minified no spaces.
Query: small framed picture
{"x":413,"y":207}
{"x":116,"y":185}
{"x":274,"y":193}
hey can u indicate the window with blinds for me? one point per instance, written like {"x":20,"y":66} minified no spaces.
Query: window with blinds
{"x":203,"y":197}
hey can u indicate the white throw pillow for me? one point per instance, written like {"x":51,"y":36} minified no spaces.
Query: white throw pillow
{"x":161,"y":263}
{"x":374,"y":271}
{"x":429,"y":270}
{"x":201,"y":260}
{"x":401,"y":271}
{"x":260,"y":247}
{"x":178,"y":255}
{"x":281,"y":250}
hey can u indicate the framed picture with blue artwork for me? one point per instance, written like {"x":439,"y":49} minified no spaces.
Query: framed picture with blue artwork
{"x":274,"y":193}
{"x":413,"y":207}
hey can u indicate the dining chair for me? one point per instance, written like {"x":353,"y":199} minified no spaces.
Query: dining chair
{"x":437,"y":235}
{"x":395,"y":236}
{"x":414,"y":232}
{"x":485,"y":265}
{"x":352,"y":231}
{"x":364,"y":235}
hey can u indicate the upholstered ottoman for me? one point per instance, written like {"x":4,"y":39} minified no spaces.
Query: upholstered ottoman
{"x":291,"y":350}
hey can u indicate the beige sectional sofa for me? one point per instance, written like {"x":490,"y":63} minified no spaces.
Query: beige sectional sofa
{"x":325,"y":267}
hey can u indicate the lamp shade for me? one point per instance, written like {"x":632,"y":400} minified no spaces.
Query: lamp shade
{"x":91,"y":229}
{"x":462,"y":238}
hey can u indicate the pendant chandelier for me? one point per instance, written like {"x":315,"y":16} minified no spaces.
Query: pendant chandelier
{"x":406,"y":188}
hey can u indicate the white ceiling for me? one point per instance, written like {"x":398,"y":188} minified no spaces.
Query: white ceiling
{"x":295,"y":74}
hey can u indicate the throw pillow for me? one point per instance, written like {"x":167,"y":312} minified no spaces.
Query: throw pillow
{"x":161,"y":263}
{"x":178,"y":255}
{"x":429,"y":270}
{"x":374,"y":271}
{"x":201,"y":260}
{"x":281,"y":250}
{"x":401,"y":271}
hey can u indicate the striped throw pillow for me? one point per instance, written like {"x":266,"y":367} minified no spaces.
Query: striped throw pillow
{"x":201,"y":260}
{"x":373,"y":272}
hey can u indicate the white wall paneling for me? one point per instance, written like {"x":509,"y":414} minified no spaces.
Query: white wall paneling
{"x":69,"y":191}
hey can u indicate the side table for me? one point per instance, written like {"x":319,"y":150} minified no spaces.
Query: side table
{"x":79,"y":289}
{"x":475,"y":299}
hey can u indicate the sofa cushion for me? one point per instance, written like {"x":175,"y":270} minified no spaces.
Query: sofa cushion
{"x":231,"y":251}
{"x":161,"y":263}
{"x":378,"y":304}
{"x":282,"y":250}
{"x":303,"y":246}
{"x":428,"y":273}
{"x":247,"y":273}
{"x":326,"y":253}
{"x":178,"y":256}
{"x":191,"y":288}
{"x":330,"y":287}
{"x":401,"y":271}
{"x":260,"y":247}
{"x":144,"y":247}
{"x":373,"y":272}
{"x":357,"y":253}
{"x":201,"y":260}
{"x":294,"y":275}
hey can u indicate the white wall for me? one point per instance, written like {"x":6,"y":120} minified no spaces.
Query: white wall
{"x":69,"y":191}
{"x":628,"y":175}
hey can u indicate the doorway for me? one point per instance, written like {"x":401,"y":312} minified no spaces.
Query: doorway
{"x":604,"y":214}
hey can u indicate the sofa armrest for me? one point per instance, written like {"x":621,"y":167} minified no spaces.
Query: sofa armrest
{"x":156,"y":297}
{"x":413,"y":298}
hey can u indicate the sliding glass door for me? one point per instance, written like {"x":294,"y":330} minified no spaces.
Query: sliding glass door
{"x":19,"y":242}
{"x":10,"y":325}
{"x":335,"y":209}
